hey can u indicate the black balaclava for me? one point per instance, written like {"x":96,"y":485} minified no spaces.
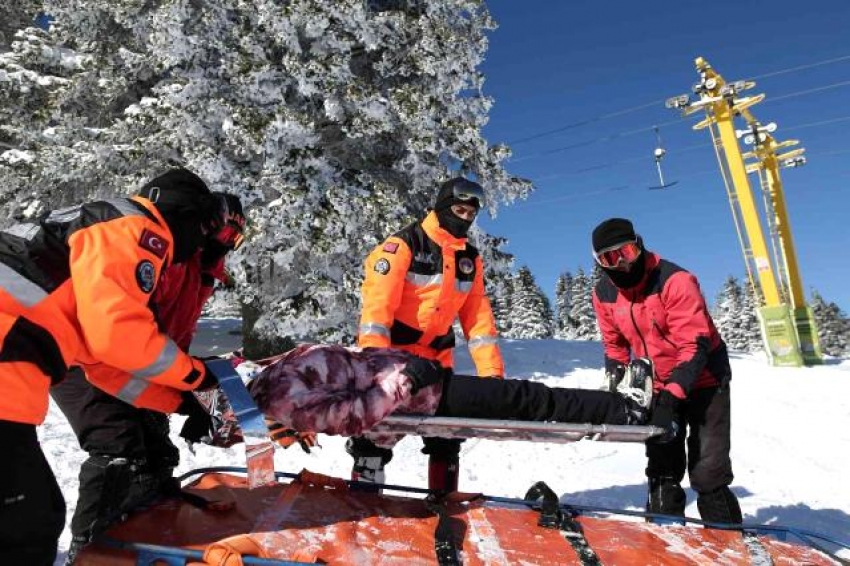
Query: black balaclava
{"x":186,"y":204}
{"x":449,"y":221}
{"x":618,"y":231}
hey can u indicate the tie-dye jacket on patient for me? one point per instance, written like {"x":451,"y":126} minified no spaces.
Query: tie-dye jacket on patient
{"x":337,"y":390}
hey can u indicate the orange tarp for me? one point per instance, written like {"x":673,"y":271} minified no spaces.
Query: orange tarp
{"x":311,"y":521}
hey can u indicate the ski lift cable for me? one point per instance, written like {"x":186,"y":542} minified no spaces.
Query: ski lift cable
{"x":801,"y":67}
{"x":679,"y":120}
{"x":677,"y":151}
{"x":807,"y":91}
{"x":629,"y":110}
{"x":578,"y":196}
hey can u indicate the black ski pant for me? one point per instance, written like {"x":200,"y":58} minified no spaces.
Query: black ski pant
{"x":705,"y":424}
{"x":32,"y":510}
{"x":130,"y":454}
{"x":519,"y":399}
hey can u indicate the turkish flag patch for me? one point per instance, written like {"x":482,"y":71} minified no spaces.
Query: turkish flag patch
{"x":154,"y":243}
{"x":391,"y":247}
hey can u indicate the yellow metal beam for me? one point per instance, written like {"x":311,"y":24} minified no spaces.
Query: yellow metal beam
{"x":722,"y":115}
{"x":771,"y":162}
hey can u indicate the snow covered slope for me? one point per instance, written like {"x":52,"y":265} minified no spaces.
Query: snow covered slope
{"x":790,"y":445}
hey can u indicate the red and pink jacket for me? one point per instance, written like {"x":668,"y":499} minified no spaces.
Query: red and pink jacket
{"x":663,"y":318}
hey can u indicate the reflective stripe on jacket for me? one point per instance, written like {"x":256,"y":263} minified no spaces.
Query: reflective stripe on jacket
{"x":84,"y":276}
{"x":664,"y":318}
{"x":417,"y":282}
{"x":178,"y":300}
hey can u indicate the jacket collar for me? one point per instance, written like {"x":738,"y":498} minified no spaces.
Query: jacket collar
{"x":440,"y":236}
{"x":652,"y":260}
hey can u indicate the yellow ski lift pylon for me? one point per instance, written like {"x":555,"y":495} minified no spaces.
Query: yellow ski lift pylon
{"x":787,"y":324}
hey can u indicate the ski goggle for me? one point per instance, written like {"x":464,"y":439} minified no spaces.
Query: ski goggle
{"x":469,"y":192}
{"x":230,"y":235}
{"x":625,"y":254}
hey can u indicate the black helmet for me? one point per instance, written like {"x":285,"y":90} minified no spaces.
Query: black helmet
{"x":187,"y":206}
{"x":459,"y":191}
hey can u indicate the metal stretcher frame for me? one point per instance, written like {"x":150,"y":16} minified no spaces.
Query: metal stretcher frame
{"x":528,"y":431}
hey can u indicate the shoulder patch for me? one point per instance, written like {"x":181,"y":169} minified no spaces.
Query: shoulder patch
{"x":146,"y":275}
{"x":154,"y":243}
{"x":391,"y":247}
{"x":382,"y":266}
{"x":466,"y":265}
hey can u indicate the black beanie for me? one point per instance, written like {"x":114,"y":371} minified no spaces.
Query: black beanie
{"x":612,"y":232}
{"x":185,"y":202}
{"x":446,"y":196}
{"x":178,"y":190}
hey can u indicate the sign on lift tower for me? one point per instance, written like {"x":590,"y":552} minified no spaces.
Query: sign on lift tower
{"x":787,"y":325}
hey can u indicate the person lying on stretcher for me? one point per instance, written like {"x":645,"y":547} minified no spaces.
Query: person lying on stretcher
{"x":346,"y":391}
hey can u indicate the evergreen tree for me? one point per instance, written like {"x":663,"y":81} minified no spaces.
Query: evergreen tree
{"x":334,"y":121}
{"x":750,"y":326}
{"x":582,"y":315}
{"x":833,"y":327}
{"x":531,"y":314}
{"x":726,"y":315}
{"x":497,"y":275}
{"x":563,"y":303}
{"x":735,"y":316}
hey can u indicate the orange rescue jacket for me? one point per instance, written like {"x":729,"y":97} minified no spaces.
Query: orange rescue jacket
{"x":417,"y":282}
{"x":178,"y":300}
{"x":74,"y":290}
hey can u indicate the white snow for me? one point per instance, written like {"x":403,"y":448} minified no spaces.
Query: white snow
{"x":790,"y":445}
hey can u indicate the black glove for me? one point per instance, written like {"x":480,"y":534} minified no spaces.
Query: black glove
{"x":423,"y":373}
{"x":665,"y":414}
{"x":209,"y":380}
{"x":199,"y":424}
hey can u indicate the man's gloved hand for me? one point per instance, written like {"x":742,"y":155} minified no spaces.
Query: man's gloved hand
{"x":665,"y":414}
{"x":423,"y":373}
{"x":286,"y":437}
{"x":209,"y":380}
{"x":199,"y":424}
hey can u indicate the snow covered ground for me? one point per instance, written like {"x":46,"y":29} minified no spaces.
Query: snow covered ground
{"x":790,"y":445}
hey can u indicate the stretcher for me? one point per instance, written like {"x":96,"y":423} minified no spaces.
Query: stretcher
{"x":528,"y":431}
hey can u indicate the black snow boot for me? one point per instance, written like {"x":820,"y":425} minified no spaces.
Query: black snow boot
{"x":719,"y":506}
{"x":666,"y":497}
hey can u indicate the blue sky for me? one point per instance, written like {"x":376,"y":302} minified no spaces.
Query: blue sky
{"x":552,"y":64}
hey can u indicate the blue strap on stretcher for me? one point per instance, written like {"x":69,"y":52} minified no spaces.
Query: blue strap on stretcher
{"x":259,"y":449}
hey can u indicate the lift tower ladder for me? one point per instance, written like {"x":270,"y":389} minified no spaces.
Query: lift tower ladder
{"x":787,"y":323}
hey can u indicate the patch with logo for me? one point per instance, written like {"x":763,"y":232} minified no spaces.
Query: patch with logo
{"x":391,"y":247}
{"x":154,"y":243}
{"x":382,"y":266}
{"x":146,"y":276}
{"x":466,"y":265}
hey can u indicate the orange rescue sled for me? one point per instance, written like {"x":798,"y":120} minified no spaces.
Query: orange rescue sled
{"x":317,"y":519}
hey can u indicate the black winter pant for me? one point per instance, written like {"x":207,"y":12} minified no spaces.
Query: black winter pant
{"x":704,"y":419}
{"x":32,"y":510}
{"x":130,"y":454}
{"x":519,"y":399}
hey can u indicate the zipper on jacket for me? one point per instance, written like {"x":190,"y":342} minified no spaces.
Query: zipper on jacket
{"x":637,"y":329}
{"x":661,"y":333}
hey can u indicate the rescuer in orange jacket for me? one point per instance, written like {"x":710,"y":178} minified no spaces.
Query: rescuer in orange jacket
{"x":75,"y":289}
{"x":130,"y":456}
{"x":417,"y":283}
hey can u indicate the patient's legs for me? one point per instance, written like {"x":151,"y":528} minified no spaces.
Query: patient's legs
{"x":518,"y":399}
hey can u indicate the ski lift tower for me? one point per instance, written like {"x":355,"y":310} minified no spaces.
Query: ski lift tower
{"x":787,"y":325}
